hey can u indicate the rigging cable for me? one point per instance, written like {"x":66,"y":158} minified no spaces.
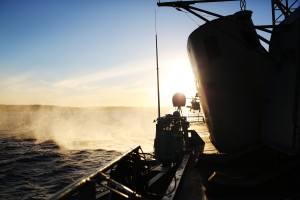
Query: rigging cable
{"x":186,"y":13}
{"x":208,"y":16}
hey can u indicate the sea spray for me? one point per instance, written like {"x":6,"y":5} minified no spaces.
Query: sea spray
{"x":108,"y":128}
{"x":45,"y":148}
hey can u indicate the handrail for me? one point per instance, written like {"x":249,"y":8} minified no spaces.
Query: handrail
{"x":74,"y":187}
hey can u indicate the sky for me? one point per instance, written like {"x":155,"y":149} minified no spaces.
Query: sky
{"x":99,"y":53}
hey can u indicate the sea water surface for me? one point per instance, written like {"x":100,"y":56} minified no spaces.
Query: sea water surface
{"x":45,"y":148}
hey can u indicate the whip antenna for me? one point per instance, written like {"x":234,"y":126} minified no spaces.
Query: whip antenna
{"x":157,"y":70}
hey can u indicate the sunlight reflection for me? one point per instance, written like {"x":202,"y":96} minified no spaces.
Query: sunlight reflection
{"x":177,"y":77}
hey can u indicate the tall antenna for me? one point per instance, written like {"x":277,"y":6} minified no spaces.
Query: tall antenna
{"x":157,"y":71}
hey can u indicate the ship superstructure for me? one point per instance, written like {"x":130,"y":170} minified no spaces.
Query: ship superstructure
{"x":248,"y":94}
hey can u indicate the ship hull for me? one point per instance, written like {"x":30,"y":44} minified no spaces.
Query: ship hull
{"x":229,"y":81}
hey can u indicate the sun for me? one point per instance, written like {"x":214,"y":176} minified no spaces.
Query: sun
{"x":175,"y":77}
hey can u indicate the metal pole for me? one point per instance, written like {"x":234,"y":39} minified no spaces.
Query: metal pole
{"x":157,"y":76}
{"x":157,"y":72}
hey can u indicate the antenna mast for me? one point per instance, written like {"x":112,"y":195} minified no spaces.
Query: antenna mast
{"x":157,"y":71}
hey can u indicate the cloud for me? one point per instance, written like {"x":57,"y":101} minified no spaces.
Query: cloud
{"x":123,"y":85}
{"x":16,"y":81}
{"x":130,"y":84}
{"x":105,"y":76}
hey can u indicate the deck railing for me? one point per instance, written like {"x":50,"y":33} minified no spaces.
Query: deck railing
{"x":98,"y":184}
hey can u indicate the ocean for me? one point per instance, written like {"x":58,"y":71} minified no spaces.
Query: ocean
{"x":45,"y":148}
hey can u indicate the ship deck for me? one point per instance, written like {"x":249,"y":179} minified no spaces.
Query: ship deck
{"x":191,"y":187}
{"x":256,"y":165}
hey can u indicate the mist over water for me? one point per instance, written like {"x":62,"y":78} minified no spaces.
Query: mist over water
{"x":107,"y":128}
{"x":45,"y":148}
